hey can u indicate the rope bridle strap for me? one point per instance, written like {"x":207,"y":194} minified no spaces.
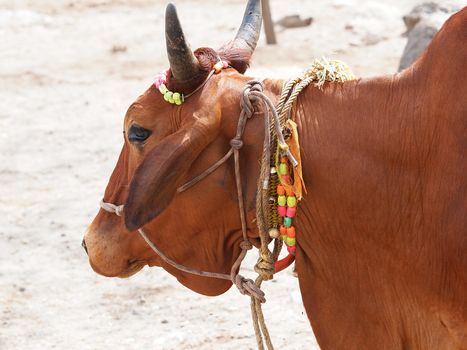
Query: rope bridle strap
{"x":251,"y":93}
{"x":265,"y":267}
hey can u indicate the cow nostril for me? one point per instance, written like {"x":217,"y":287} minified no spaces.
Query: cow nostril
{"x":83,"y":244}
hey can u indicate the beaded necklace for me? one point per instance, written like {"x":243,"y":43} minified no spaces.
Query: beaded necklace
{"x":177,"y":98}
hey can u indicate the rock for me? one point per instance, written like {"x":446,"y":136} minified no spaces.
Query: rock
{"x":371,"y":39}
{"x":422,"y":24}
{"x":116,"y":48}
{"x":418,"y":39}
{"x":294,"y":21}
{"x":419,"y":11}
{"x":426,"y":9}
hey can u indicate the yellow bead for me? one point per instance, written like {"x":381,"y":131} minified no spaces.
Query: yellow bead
{"x":291,"y":201}
{"x":290,"y":241}
{"x":169,"y":97}
{"x":163,"y":89}
{"x":281,"y":200}
{"x":177,"y":98}
{"x":283,"y":169}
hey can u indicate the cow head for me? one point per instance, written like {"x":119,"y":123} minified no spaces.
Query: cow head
{"x":166,"y":145}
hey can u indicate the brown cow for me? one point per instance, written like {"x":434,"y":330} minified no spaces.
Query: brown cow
{"x":382,"y":244}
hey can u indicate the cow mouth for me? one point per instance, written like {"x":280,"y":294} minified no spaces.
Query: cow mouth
{"x":134,"y":266}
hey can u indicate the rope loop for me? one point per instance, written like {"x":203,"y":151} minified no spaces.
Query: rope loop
{"x":245,"y":102}
{"x":255,"y":85}
{"x":249,"y":96}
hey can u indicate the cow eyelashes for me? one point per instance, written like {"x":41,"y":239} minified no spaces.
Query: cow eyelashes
{"x":138,"y":134}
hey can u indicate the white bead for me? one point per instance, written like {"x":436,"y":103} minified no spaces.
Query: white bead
{"x":273,"y":233}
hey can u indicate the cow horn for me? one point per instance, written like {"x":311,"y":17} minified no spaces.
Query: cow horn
{"x":250,"y":29}
{"x":183,"y":63}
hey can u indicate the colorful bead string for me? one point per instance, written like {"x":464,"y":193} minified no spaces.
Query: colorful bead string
{"x":286,"y":208}
{"x":160,"y":82}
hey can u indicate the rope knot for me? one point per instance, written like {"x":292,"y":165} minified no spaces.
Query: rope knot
{"x":112,"y":208}
{"x":265,"y":265}
{"x":119,"y":210}
{"x":245,"y":245}
{"x":248,"y":287}
{"x":236,"y":143}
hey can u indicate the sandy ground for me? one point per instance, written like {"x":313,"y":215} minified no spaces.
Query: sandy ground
{"x":63,"y":93}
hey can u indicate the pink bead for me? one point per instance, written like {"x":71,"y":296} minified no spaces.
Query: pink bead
{"x":161,"y":78}
{"x":282,"y":211}
{"x":291,"y":249}
{"x":159,"y":81}
{"x":286,"y":179}
{"x":291,"y":211}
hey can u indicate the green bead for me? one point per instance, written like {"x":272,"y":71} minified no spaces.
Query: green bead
{"x":163,"y":89}
{"x":283,"y":169}
{"x":287,"y":221}
{"x":290,"y":241}
{"x":281,"y":200}
{"x":291,"y":201}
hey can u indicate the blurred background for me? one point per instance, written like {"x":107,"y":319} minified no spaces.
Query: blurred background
{"x":68,"y":71}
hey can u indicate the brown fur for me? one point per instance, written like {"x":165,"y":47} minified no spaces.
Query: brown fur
{"x":382,"y":234}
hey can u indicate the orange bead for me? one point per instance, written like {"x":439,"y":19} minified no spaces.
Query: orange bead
{"x":290,"y":192}
{"x":284,"y":159}
{"x":280,"y":190}
{"x":283,"y":230}
{"x":291,"y":232}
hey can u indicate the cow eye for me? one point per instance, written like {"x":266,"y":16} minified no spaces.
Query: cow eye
{"x":138,"y":133}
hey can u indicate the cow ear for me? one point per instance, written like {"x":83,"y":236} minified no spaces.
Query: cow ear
{"x":157,"y":178}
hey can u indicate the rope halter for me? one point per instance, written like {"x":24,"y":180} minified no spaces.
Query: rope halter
{"x":252,"y":93}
